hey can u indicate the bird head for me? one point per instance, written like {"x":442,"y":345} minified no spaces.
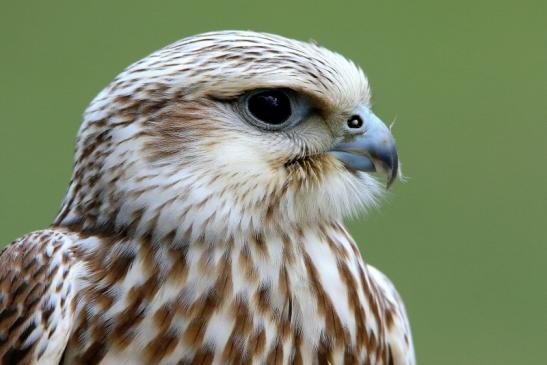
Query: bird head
{"x":226,"y":132}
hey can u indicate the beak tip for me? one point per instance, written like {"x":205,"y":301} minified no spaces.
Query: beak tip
{"x":391,"y":179}
{"x":388,"y":162}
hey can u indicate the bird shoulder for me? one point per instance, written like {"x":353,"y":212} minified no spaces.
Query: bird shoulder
{"x":36,"y":298}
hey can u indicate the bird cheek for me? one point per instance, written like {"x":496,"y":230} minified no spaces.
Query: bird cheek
{"x":237,"y":156}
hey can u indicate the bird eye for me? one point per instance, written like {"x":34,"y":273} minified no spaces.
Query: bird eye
{"x":272,"y":107}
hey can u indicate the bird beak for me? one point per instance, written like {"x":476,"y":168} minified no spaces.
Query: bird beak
{"x":371,"y":150}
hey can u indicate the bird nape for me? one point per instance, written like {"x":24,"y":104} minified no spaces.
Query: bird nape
{"x":203,"y":221}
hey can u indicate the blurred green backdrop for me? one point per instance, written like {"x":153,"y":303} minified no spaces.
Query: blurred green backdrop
{"x":464,"y":239}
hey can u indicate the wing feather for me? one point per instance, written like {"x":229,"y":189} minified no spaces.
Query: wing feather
{"x":399,"y":334}
{"x":37,"y":275}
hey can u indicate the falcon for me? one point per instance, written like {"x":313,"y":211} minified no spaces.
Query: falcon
{"x":203,"y":220}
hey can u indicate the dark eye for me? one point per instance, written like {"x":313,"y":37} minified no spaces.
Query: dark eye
{"x":270,"y":106}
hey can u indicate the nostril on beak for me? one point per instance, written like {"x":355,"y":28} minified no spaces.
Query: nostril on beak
{"x":355,"y":122}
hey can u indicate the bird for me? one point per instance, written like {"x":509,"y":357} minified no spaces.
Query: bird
{"x":203,"y":222}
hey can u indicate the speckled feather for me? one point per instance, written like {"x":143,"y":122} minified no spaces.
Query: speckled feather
{"x":189,"y":236}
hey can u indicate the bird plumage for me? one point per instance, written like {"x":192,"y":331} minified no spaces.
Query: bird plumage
{"x":190,"y":235}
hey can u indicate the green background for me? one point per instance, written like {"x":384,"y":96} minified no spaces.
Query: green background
{"x":464,"y":238}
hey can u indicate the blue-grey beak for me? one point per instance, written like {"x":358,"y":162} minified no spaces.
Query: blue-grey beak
{"x":368,"y":145}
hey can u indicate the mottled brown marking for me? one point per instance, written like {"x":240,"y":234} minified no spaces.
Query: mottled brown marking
{"x":200,"y":312}
{"x":350,"y":356}
{"x":259,"y":244}
{"x":93,"y":354}
{"x":275,"y":357}
{"x":333,"y":324}
{"x":161,"y":346}
{"x":150,"y":287}
{"x":233,"y":351}
{"x":147,"y":255}
{"x":126,"y":321}
{"x":246,"y":264}
{"x":354,"y":302}
{"x":285,"y":320}
{"x":261,"y":298}
{"x":288,"y":250}
{"x":370,"y":293}
{"x":223,"y":284}
{"x":324,"y":352}
{"x":169,"y":238}
{"x":204,"y":263}
{"x":163,"y":317}
{"x":371,"y":342}
{"x":337,"y":248}
{"x":179,"y":269}
{"x":257,"y":342}
{"x":243,"y":318}
{"x":389,"y":314}
{"x":204,"y":356}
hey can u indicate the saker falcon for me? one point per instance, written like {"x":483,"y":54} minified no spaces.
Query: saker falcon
{"x":203,"y":221}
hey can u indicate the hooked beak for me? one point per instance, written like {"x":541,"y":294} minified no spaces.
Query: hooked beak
{"x":372,"y":149}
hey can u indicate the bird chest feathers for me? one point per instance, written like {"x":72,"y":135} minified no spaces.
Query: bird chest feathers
{"x":299,"y":297}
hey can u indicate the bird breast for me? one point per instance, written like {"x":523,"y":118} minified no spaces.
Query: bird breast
{"x":301,"y":296}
